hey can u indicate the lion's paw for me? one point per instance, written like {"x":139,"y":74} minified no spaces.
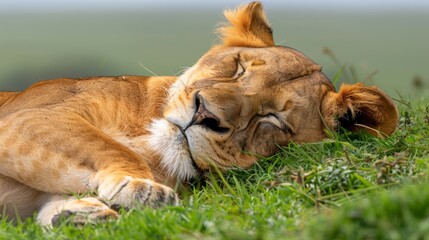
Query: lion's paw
{"x":80,"y":218}
{"x":75,"y":211}
{"x":134,"y":192}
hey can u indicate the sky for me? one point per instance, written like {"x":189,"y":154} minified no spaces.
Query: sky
{"x":56,"y":5}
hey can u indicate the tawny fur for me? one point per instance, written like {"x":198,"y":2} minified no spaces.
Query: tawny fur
{"x":248,"y":27}
{"x":358,"y":99}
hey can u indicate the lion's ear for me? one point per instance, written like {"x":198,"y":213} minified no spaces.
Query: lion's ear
{"x":248,"y":27}
{"x":357,"y":107}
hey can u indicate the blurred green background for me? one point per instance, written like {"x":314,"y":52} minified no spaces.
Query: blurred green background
{"x":384,"y":43}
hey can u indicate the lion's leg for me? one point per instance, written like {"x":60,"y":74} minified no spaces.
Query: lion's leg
{"x":73,"y":210}
{"x":18,"y":200}
{"x":61,"y":153}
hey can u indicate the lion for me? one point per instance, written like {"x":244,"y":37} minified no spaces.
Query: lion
{"x":128,"y":141}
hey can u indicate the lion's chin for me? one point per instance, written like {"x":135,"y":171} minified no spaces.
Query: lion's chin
{"x":167,"y":140}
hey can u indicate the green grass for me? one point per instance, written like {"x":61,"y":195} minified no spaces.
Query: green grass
{"x":348,"y":187}
{"x":400,"y":214}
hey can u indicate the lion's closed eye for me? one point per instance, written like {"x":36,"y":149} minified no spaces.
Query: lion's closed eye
{"x":240,"y":70}
{"x":272,"y":120}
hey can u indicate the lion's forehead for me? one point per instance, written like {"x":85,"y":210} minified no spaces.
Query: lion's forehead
{"x":264,"y":66}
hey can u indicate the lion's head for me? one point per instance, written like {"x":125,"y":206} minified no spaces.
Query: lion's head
{"x":247,"y":96}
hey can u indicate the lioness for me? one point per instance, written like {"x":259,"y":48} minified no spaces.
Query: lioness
{"x":129,"y":140}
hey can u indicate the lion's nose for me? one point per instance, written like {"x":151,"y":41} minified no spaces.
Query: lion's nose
{"x":206,"y":118}
{"x":203,"y":114}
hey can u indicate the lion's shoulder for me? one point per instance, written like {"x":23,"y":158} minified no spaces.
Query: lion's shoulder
{"x":101,"y":89}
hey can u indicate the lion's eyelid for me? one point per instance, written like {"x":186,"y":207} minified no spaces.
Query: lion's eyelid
{"x":283,"y":124}
{"x":240,"y":69}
